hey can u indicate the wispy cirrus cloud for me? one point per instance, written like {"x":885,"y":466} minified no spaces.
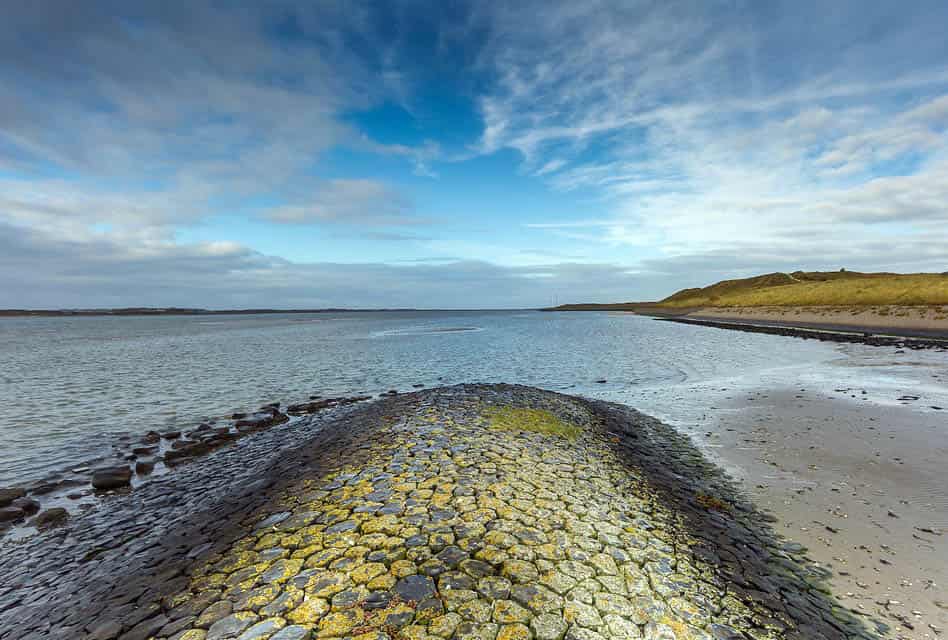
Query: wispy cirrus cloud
{"x":706,"y":130}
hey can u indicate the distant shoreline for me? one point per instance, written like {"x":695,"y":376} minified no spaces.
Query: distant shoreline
{"x":175,"y":311}
{"x":844,"y":324}
{"x":873,"y":336}
{"x":895,"y":320}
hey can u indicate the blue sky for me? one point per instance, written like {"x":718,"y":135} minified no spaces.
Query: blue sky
{"x":478,"y":155}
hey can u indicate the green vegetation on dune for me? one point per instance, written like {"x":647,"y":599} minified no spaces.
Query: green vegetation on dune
{"x":801,"y":288}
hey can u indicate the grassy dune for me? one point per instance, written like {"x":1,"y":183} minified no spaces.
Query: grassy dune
{"x":844,"y":288}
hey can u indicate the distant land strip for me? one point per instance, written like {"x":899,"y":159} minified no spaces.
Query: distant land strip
{"x":908,"y":305}
{"x":177,"y":311}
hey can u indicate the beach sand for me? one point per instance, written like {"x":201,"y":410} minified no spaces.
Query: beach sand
{"x":863,"y":486}
{"x":900,"y":320}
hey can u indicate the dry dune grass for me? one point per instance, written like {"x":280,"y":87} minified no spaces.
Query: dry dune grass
{"x":839,"y":289}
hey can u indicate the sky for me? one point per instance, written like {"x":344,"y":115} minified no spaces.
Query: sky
{"x":455,"y":155}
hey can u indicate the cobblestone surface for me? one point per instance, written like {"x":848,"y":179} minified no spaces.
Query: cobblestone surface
{"x":416,"y":517}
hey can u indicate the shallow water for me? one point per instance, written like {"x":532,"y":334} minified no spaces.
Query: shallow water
{"x":67,"y":385}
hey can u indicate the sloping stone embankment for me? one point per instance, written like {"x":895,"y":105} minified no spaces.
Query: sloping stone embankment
{"x":428,"y":516}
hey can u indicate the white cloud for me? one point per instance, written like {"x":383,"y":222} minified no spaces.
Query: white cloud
{"x":43,"y":270}
{"x":362,"y":202}
{"x":161,"y":114}
{"x":695,"y":135}
{"x":710,"y":138}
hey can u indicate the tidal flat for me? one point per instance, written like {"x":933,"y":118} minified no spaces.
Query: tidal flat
{"x":430,"y":515}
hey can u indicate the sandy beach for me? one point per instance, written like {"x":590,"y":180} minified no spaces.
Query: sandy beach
{"x":861,"y":486}
{"x":889,"y":319}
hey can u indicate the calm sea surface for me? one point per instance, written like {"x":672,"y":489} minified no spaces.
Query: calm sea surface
{"x":68,"y":385}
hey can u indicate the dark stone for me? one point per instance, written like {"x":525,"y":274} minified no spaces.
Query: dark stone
{"x":477,"y":569}
{"x":42,"y":488}
{"x":171,"y":435}
{"x":261,"y":421}
{"x":273,"y":519}
{"x":292,"y":632}
{"x":29,"y":505}
{"x":51,"y":518}
{"x":229,"y":627}
{"x":431,"y":606}
{"x":112,"y":478}
{"x":455,"y":580}
{"x":415,"y":588}
{"x":105,"y":631}
{"x":175,"y":626}
{"x":144,"y":451}
{"x":342,"y":527}
{"x":11,"y":514}
{"x":318,"y":405}
{"x":396,"y":620}
{"x":309,"y":407}
{"x":187,"y":450}
{"x":145,"y":629}
{"x":9,"y":495}
{"x":144,"y":466}
{"x":346,"y":599}
{"x":418,"y":540}
{"x":724,"y":632}
{"x":451,"y":556}
{"x":376,"y":600}
{"x":151,"y":437}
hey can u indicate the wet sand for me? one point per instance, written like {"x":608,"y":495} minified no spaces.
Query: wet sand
{"x":891,"y":320}
{"x":863,"y":487}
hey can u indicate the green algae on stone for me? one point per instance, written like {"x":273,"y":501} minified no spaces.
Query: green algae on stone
{"x":534,"y":420}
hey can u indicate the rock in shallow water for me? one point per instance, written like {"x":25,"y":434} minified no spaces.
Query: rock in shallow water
{"x":144,"y":466}
{"x":9,"y":495}
{"x":11,"y":514}
{"x":50,"y":518}
{"x":112,"y":478}
{"x":29,"y":505}
{"x":186,"y":450}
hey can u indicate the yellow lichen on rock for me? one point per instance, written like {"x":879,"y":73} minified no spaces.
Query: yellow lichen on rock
{"x":534,"y":420}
